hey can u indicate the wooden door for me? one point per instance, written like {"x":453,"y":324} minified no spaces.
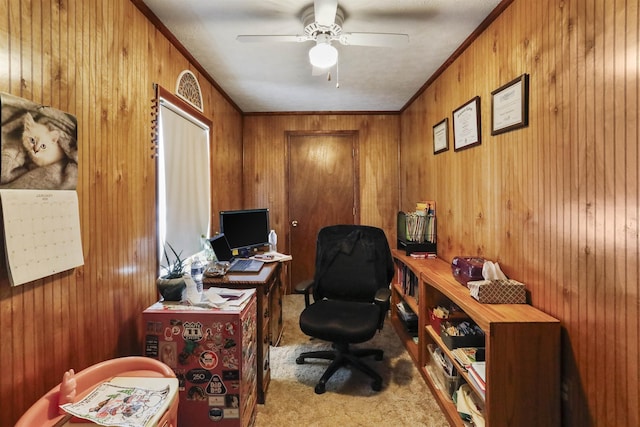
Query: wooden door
{"x":323,"y":188}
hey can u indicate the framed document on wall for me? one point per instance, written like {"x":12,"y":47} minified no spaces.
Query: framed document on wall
{"x":510,"y":106}
{"x":441,"y":136}
{"x":466,"y":125}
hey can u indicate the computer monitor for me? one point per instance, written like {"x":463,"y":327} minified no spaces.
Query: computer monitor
{"x":246,"y":228}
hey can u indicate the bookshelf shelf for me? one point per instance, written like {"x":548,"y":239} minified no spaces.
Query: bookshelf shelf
{"x":522,"y":346}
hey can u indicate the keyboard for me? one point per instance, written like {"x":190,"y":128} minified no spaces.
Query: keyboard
{"x":246,"y":265}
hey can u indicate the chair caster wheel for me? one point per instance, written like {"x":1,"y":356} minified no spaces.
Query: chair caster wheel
{"x":319,"y":388}
{"x":300,"y":360}
{"x":376,"y":385}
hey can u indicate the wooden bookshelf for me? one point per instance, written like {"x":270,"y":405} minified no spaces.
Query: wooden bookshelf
{"x":522,"y":347}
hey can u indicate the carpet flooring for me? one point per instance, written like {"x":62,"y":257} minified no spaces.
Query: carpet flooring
{"x":349,"y":401}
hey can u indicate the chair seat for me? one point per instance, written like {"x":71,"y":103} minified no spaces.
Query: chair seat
{"x":340,"y":321}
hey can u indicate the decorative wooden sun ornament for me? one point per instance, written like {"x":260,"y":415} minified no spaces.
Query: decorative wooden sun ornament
{"x":188,"y":88}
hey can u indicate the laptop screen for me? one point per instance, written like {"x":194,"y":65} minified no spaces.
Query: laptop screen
{"x":221,"y":247}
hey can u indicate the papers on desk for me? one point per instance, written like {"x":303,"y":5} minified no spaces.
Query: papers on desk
{"x":212,"y":298}
{"x":226,"y":298}
{"x":272,"y":257}
{"x":113,"y":405}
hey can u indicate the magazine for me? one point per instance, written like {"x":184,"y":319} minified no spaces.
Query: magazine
{"x":112,"y":405}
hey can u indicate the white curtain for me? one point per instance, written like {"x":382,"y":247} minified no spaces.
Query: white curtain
{"x":183,"y":181}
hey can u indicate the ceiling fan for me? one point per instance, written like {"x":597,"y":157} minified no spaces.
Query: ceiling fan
{"x":322,"y":23}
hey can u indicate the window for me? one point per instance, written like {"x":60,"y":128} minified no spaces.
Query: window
{"x":183,"y":177}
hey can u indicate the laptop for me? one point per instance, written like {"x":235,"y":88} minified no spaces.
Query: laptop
{"x":221,"y":248}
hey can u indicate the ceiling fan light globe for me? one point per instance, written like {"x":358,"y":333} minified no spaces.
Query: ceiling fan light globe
{"x":323,"y":55}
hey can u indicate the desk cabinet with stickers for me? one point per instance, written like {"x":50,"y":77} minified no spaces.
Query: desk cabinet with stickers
{"x":214,"y":355}
{"x":268,"y":285}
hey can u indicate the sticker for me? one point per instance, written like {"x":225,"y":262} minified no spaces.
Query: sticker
{"x":170,"y":331}
{"x":216,"y":414}
{"x":208,"y":360}
{"x":151,"y":346}
{"x":181,"y":379}
{"x":232,"y":401}
{"x":154,"y":327}
{"x":230,"y":328}
{"x":216,"y":386}
{"x":229,"y":360}
{"x":169,"y":353}
{"x":188,"y":350}
{"x":199,"y":376}
{"x":196,"y":393}
{"x":231,"y":375}
{"x":216,"y":400}
{"x":192,"y":331}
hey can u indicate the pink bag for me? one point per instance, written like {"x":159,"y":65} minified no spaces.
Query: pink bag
{"x":466,"y":269}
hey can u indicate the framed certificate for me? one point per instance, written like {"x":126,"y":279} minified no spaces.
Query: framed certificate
{"x":441,"y":136}
{"x":510,"y":106}
{"x":466,"y":125}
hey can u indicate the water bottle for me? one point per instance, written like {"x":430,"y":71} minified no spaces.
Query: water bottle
{"x":197,"y":271}
{"x":273,"y":241}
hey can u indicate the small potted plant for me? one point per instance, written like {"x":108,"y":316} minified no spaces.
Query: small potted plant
{"x":171,"y":284}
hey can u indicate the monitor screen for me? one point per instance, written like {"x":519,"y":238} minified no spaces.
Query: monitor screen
{"x":245,"y":229}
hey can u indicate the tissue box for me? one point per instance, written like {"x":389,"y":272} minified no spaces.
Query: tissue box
{"x":498,"y":291}
{"x":465,"y":269}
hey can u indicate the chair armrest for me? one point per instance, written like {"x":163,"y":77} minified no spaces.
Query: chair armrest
{"x":383,"y":295}
{"x":305,"y":287}
{"x":382,"y":299}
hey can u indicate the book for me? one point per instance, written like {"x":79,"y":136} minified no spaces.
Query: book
{"x":423,"y":255}
{"x":477,"y":373}
{"x":114,"y":405}
{"x":467,"y":355}
{"x":479,"y":368}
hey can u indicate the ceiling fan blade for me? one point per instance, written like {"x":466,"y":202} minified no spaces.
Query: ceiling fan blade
{"x":325,"y":12}
{"x":269,"y":39}
{"x":373,"y":39}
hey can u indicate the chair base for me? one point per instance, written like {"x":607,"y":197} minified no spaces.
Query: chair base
{"x":344,"y":356}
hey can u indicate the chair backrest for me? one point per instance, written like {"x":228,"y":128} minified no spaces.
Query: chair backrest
{"x":352,"y":262}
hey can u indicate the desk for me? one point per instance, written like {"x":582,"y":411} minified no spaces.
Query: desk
{"x":269,"y":289}
{"x":166,"y":411}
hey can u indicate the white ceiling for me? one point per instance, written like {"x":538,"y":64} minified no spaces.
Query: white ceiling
{"x":276,"y":77}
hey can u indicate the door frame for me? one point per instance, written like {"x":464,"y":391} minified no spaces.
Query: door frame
{"x":355,"y":162}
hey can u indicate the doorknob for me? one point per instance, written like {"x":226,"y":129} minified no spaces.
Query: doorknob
{"x":294,"y":223}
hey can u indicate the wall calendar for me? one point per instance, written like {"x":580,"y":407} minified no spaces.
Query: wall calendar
{"x":42,"y":233}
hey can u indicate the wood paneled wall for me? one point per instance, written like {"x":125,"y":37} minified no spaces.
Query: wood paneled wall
{"x":98,"y":61}
{"x":265,"y":163}
{"x":555,"y":203}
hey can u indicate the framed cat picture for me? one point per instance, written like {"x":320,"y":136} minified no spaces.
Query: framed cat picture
{"x":38,"y":145}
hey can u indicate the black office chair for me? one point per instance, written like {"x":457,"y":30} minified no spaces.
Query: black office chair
{"x":351,"y":296}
